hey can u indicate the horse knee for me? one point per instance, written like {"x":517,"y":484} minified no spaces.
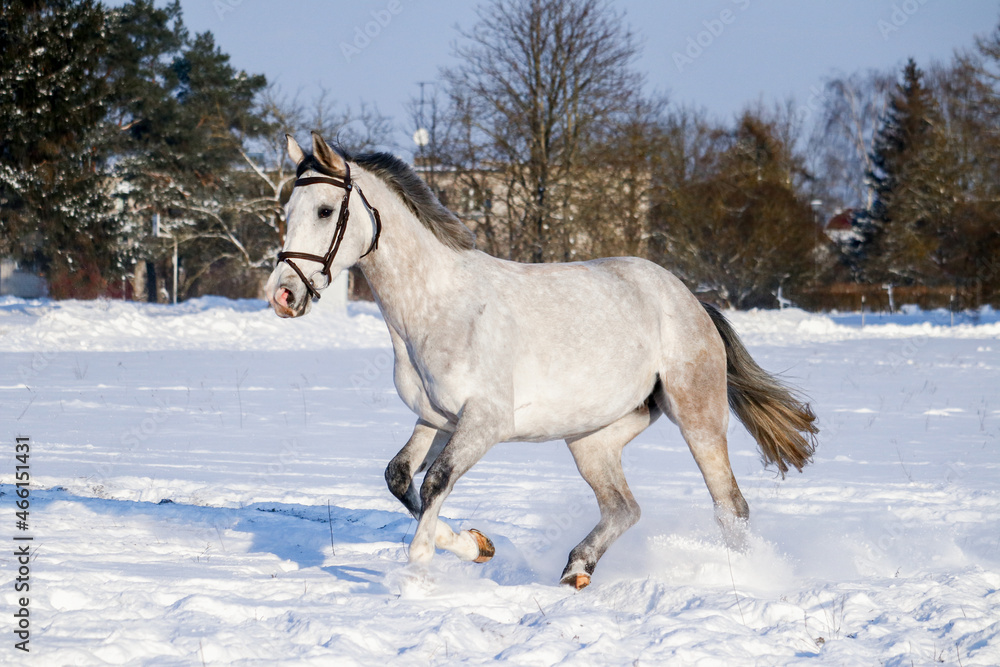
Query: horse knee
{"x":437,"y":481}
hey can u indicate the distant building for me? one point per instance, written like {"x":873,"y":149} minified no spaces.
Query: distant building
{"x":840,"y":228}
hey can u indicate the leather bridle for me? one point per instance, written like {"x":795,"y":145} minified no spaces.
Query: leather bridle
{"x":338,"y":233}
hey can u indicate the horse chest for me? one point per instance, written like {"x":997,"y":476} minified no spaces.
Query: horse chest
{"x":423,"y":393}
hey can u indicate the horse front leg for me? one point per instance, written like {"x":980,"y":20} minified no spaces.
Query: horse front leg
{"x":420,"y":451}
{"x":477,"y":431}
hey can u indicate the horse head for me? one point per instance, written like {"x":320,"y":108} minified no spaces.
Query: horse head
{"x":319,"y":242}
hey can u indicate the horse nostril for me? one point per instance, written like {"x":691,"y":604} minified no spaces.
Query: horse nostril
{"x":285,"y":298}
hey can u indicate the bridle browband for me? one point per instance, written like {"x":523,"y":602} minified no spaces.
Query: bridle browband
{"x":338,"y":233}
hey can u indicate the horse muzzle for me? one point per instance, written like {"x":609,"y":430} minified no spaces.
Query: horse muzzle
{"x":286,"y":295}
{"x":284,"y":304}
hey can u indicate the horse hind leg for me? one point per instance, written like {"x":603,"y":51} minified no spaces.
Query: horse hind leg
{"x":598,"y":457}
{"x":698,"y":404}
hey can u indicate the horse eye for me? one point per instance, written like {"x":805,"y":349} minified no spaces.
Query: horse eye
{"x":325,"y":212}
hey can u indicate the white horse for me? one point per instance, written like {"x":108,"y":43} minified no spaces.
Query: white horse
{"x":490,"y":351}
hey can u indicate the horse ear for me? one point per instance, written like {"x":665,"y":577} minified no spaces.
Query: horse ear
{"x":327,"y":157}
{"x":294,"y":150}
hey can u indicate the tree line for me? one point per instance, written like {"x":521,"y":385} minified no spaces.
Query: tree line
{"x":541,"y":137}
{"x":116,"y":117}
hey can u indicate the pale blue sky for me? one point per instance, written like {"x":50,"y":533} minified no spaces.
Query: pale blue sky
{"x":749,"y":49}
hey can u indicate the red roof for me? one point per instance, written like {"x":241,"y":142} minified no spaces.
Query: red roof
{"x":842,"y":222}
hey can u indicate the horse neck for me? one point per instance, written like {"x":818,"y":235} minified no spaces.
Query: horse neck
{"x":411,"y":273}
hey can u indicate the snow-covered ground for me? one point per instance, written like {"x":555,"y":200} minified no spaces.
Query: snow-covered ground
{"x":207,"y":489}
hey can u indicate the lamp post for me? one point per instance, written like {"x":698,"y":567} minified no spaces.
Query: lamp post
{"x":422,"y":137}
{"x":816,"y":205}
{"x":162,"y":233}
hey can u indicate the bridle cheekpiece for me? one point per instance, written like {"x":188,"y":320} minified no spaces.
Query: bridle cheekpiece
{"x":326,"y":260}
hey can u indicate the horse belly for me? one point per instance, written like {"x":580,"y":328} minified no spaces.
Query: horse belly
{"x":558,"y":401}
{"x":589,"y":346}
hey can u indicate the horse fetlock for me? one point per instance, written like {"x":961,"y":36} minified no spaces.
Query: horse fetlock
{"x":742,"y":508}
{"x":437,"y":481}
{"x":421,"y":551}
{"x":735,"y":528}
{"x":632,"y":514}
{"x":733,"y":508}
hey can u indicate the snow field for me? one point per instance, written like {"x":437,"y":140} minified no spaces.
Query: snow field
{"x":207,"y":489}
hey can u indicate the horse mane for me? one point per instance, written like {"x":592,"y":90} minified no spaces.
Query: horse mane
{"x":412,"y":189}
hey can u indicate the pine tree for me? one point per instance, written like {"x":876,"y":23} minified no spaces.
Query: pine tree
{"x":183,"y":115}
{"x":111,"y":115}
{"x":55,"y":205}
{"x":913,"y":177}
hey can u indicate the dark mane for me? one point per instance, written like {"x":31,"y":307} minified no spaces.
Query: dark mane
{"x":412,"y":189}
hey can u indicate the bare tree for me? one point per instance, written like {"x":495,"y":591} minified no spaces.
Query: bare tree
{"x":459,"y":165}
{"x":430,"y":114}
{"x":842,"y":141}
{"x":359,"y":130}
{"x":729,"y":214}
{"x":363,"y":130}
{"x":617,"y":178}
{"x":539,"y":79}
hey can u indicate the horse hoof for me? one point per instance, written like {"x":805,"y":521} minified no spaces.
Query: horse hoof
{"x":486,"y":548}
{"x":577,"y":581}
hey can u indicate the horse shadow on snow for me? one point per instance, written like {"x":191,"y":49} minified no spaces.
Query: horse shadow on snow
{"x":296,"y":533}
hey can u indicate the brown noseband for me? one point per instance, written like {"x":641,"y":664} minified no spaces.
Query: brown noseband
{"x":338,"y":233}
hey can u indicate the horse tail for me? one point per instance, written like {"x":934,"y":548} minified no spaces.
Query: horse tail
{"x":782,"y":424}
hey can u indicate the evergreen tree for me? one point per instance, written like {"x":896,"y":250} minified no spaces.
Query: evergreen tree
{"x":914,"y":181}
{"x":55,"y":205}
{"x":112,"y":115}
{"x":142,"y":43}
{"x":182,"y":153}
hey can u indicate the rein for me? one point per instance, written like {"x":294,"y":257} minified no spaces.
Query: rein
{"x":338,"y":233}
